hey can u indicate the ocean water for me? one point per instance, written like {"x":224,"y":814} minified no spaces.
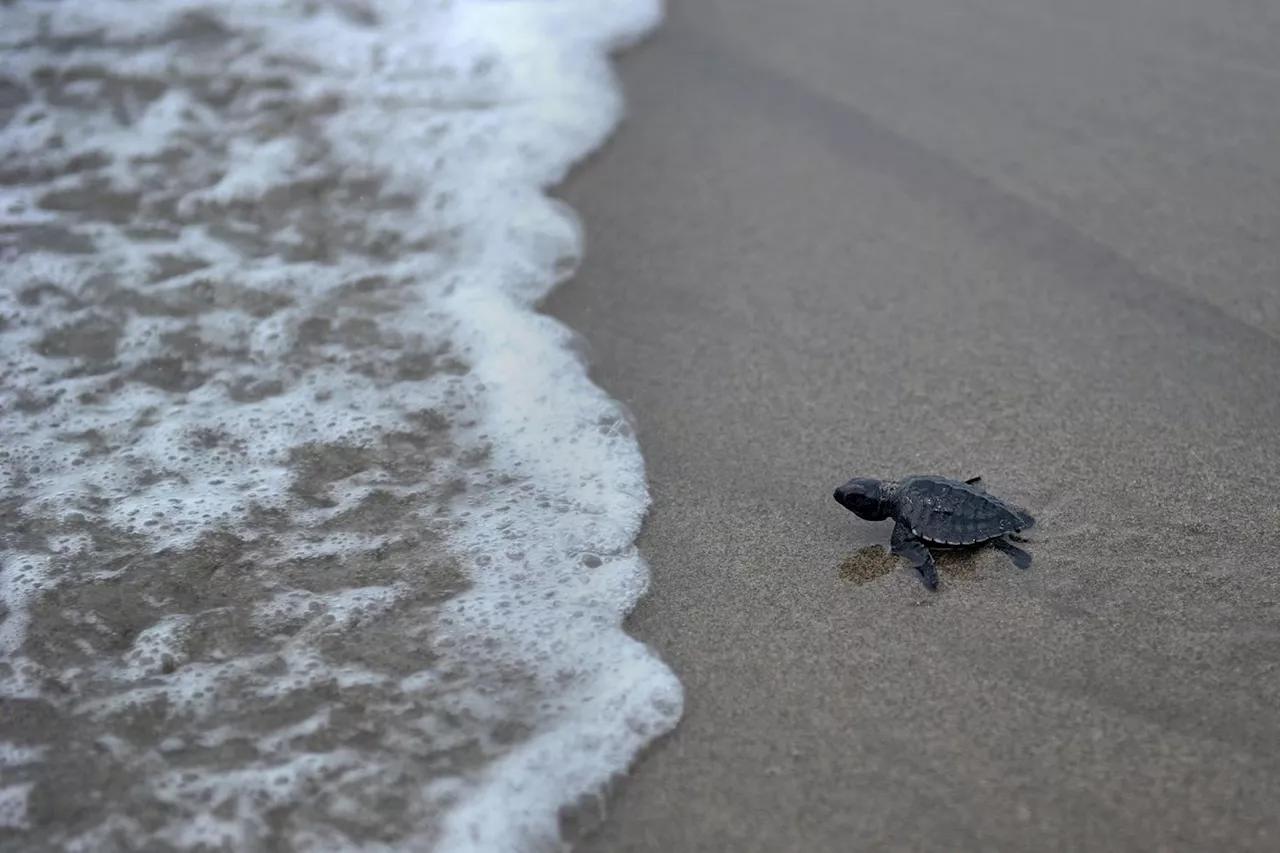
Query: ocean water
{"x":316,"y":535}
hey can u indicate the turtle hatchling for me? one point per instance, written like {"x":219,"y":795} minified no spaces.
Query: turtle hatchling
{"x":934,"y":512}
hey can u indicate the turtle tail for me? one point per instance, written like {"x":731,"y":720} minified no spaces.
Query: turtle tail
{"x":1025,"y":519}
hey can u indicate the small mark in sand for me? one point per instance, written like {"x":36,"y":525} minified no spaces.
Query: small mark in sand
{"x":875,"y":561}
{"x":867,"y":564}
{"x":959,"y":564}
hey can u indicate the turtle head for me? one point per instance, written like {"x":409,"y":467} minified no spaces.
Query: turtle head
{"x":867,"y":498}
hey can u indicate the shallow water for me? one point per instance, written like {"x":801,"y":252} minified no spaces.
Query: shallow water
{"x":317,"y":536}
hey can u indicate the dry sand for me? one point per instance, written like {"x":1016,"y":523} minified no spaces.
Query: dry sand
{"x":1034,"y":241}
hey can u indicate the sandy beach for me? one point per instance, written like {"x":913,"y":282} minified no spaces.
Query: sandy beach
{"x":1022,"y":240}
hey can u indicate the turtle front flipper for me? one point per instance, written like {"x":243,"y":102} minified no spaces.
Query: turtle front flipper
{"x":903,"y":543}
{"x":1020,"y":558}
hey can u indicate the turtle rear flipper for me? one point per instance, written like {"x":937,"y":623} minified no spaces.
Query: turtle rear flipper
{"x":905,"y":544}
{"x":1020,"y":558}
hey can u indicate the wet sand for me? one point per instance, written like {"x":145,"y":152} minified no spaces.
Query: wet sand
{"x":1013,"y":239}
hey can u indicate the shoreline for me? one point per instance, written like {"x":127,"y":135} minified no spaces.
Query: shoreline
{"x":790,"y":281}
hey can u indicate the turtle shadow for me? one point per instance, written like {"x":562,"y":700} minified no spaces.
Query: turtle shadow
{"x":874,"y":561}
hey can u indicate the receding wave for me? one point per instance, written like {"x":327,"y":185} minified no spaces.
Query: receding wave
{"x":316,"y":534}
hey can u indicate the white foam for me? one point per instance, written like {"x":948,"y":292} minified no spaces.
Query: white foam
{"x":340,"y":608}
{"x":14,"y":755}
{"x":13,"y":806}
{"x":158,"y":649}
{"x":230,"y":366}
{"x":22,"y":578}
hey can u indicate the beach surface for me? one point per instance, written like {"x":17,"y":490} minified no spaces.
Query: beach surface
{"x":1031,"y":241}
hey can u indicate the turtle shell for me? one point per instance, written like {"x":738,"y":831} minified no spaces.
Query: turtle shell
{"x":948,"y":512}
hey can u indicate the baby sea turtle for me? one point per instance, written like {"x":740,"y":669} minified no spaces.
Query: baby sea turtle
{"x":934,"y":512}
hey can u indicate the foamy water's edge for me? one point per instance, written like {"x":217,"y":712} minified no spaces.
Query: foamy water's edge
{"x":318,"y":536}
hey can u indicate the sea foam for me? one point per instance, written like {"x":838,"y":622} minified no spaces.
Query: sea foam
{"x":317,"y":535}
